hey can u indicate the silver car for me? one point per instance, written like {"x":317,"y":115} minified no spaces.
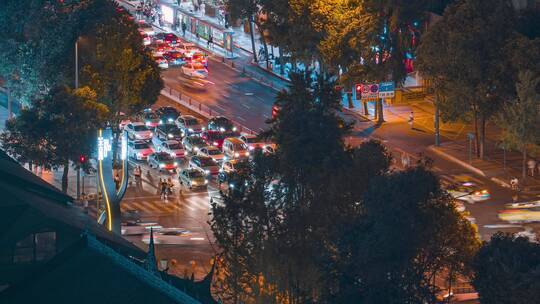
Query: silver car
{"x":192,"y":178}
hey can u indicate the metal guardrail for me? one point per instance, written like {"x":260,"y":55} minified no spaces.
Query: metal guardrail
{"x":199,"y":107}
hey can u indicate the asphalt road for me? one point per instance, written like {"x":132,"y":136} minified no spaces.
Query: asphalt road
{"x":240,"y":98}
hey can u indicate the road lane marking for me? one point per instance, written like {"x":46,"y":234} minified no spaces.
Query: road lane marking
{"x":245,"y":106}
{"x":249,"y":94}
{"x":241,"y":118}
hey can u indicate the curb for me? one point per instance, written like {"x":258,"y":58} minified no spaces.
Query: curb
{"x":456,"y":160}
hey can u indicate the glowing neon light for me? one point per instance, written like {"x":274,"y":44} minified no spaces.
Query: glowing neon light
{"x":103,"y":186}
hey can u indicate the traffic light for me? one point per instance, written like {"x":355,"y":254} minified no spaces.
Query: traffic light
{"x":82,"y":159}
{"x":358,"y":91}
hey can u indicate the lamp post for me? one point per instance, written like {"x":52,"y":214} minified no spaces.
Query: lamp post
{"x":76,"y":87}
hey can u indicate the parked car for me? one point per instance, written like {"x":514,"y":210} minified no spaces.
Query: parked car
{"x":192,"y":178}
{"x":205,"y":164}
{"x":162,"y":161}
{"x":139,"y":150}
{"x":161,"y":62}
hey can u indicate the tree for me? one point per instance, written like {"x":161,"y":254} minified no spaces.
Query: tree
{"x":403,"y":236}
{"x":507,"y":270}
{"x":124,"y":75}
{"x":521,"y":117}
{"x":471,"y":37}
{"x":60,"y":127}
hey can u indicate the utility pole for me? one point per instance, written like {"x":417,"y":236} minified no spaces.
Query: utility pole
{"x":10,"y":109}
{"x":76,"y":87}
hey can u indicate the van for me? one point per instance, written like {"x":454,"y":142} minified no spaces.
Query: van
{"x":234,"y":148}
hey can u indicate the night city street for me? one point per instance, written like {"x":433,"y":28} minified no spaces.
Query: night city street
{"x":276,"y":151}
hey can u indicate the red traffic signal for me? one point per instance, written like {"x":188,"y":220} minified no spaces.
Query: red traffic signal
{"x":358,"y":91}
{"x":82,"y":159}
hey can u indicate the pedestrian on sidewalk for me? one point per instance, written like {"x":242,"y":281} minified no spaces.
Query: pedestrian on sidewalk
{"x":84,"y":201}
{"x":514,"y":184}
{"x":197,"y":36}
{"x":210,"y":42}
{"x":137,"y":173}
{"x":163,"y":188}
{"x":184,"y":27}
{"x":411,"y":120}
{"x":531,"y":164}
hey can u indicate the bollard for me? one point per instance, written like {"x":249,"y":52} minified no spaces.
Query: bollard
{"x":200,"y":107}
{"x":190,"y":101}
{"x":222,"y":59}
{"x":232,"y":64}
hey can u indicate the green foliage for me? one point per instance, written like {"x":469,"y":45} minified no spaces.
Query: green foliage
{"x":123,"y":74}
{"x":57,"y":129}
{"x":520,"y":116}
{"x":404,"y":235}
{"x":311,"y":221}
{"x":507,"y":271}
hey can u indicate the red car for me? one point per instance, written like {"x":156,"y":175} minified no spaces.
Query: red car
{"x":160,"y":48}
{"x":171,"y":39}
{"x":213,"y":138}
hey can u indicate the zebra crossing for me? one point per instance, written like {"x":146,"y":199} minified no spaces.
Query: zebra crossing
{"x":154,"y":205}
{"x":173,"y":204}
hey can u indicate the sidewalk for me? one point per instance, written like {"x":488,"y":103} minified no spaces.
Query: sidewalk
{"x":241,"y":59}
{"x":498,"y":165}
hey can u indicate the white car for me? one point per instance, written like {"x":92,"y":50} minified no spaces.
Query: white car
{"x":162,"y":62}
{"x":468,"y":192}
{"x":229,"y":166}
{"x":523,"y":205}
{"x":172,"y":147}
{"x":205,"y":164}
{"x":192,"y":144}
{"x":189,"y":124}
{"x":139,"y":150}
{"x":252,"y":141}
{"x":213,"y":152}
{"x":138,"y":130}
{"x":195,"y":70}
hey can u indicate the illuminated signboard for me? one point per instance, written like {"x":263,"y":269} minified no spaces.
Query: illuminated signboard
{"x":168,"y":14}
{"x":124,"y":148}
{"x":104,"y":147}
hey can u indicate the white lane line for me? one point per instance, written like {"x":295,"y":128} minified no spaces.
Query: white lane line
{"x":241,"y":118}
{"x":151,"y":206}
{"x":189,"y":207}
{"x":249,"y":94}
{"x":221,"y":108}
{"x":246,"y":106}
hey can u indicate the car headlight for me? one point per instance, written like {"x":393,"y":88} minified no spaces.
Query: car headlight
{"x":170,"y":120}
{"x":139,"y":154}
{"x":205,"y":181}
{"x":170,"y":136}
{"x":215,"y":143}
{"x":190,"y":130}
{"x":220,"y":170}
{"x":222,"y":129}
{"x":160,"y":121}
{"x":247,"y":153}
{"x":251,"y":147}
{"x":207,"y":171}
{"x":161,"y":165}
{"x":176,"y":163}
{"x":196,"y":149}
{"x":203,"y":128}
{"x":225,"y":157}
{"x":147,"y":124}
{"x":151,"y":134}
{"x":236,"y":154}
{"x":234,"y":129}
{"x":173,"y":155}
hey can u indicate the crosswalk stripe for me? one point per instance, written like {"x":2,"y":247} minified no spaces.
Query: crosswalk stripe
{"x":151,"y":205}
